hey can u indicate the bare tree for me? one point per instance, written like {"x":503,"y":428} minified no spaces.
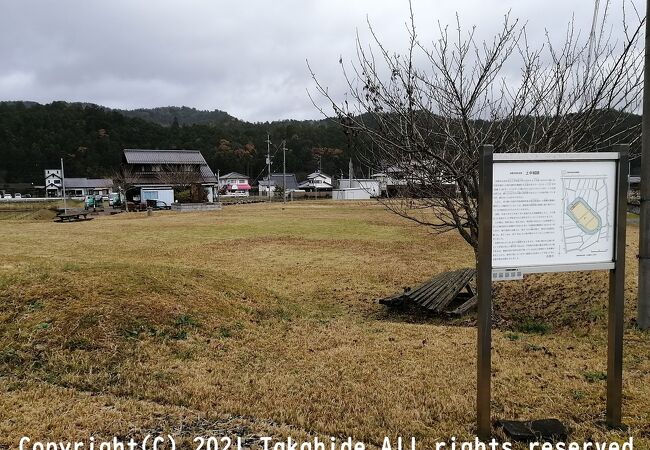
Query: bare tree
{"x":424,"y":123}
{"x":186,"y":177}
{"x":124,"y":180}
{"x":180,"y":175}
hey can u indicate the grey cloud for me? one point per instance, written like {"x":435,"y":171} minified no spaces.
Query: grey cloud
{"x":246,"y":57}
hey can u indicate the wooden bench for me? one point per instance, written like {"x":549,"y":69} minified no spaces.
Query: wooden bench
{"x":441,"y":294}
{"x":72,"y":216}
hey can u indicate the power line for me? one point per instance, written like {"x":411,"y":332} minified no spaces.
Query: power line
{"x":277,"y":149}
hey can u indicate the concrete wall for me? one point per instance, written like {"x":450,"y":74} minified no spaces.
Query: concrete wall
{"x":190,"y":207}
{"x":370,"y":185}
{"x":350,"y":194}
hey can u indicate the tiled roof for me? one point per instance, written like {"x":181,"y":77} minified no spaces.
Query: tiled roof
{"x":311,"y":184}
{"x":207,"y":174}
{"x":317,"y":174}
{"x":143,"y":156}
{"x":84,"y":183}
{"x":191,"y":157}
{"x":232,"y":175}
{"x":276,"y":180}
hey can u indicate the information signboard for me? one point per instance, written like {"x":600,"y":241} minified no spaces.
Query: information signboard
{"x":553,"y":214}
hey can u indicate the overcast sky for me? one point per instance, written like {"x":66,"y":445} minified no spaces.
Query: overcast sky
{"x":246,"y":57}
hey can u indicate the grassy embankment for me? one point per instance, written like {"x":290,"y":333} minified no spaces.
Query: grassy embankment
{"x":262,"y":320}
{"x":33,"y":209}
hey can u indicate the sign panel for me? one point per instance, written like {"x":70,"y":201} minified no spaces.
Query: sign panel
{"x":549,"y":215}
{"x":550,"y":212}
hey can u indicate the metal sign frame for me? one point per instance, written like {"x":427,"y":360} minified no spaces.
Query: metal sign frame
{"x":616,"y":277}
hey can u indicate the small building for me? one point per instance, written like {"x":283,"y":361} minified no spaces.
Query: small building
{"x":75,"y":187}
{"x":350,"y":194}
{"x":234,"y":184}
{"x":53,"y":183}
{"x":391,"y":180}
{"x":408,"y":179}
{"x":370,"y":185}
{"x":317,"y":181}
{"x":153,"y":174}
{"x":280,"y":181}
{"x":81,"y":187}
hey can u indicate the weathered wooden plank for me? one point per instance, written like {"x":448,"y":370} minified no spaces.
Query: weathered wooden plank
{"x":422,"y":288}
{"x":395,"y":300}
{"x":436,"y":285}
{"x":447,"y":296}
{"x":449,"y":288}
{"x":431,"y":287}
{"x":436,"y":296}
{"x":437,"y":293}
{"x":468,"y":305}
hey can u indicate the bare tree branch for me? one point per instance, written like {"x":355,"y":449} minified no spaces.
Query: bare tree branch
{"x":422,"y":124}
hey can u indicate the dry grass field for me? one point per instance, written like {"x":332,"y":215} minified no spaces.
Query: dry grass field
{"x":262,"y":320}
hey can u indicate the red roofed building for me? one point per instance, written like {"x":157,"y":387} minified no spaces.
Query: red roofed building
{"x":234,"y":184}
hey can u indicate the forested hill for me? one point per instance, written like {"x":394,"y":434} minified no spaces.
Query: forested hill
{"x":183,"y":115}
{"x":91,"y":138}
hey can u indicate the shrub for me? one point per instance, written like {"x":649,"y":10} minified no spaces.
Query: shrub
{"x":594,"y":376}
{"x":533,"y":326}
{"x":184,"y":196}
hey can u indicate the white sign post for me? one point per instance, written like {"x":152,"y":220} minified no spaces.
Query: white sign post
{"x":551,"y":212}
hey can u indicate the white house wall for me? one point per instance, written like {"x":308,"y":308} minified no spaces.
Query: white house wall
{"x":164,"y":195}
{"x":371,"y":186}
{"x":350,"y":194}
{"x":209,"y":191}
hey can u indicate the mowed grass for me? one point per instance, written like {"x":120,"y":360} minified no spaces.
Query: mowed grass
{"x":268,"y":316}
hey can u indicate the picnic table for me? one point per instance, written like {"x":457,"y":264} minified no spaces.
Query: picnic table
{"x":72,"y":216}
{"x":441,"y":294}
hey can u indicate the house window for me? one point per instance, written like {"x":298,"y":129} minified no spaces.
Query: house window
{"x":57,"y":181}
{"x":149,"y":195}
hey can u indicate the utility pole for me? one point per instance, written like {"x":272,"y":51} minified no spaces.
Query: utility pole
{"x":284,"y":172}
{"x":65,"y":203}
{"x":268,"y":163}
{"x":218,"y":184}
{"x":350,"y":173}
{"x":315,"y":183}
{"x":643,"y":312}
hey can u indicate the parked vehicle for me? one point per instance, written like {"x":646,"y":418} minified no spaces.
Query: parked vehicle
{"x":17,"y":195}
{"x":158,"y":204}
{"x":6,"y":196}
{"x":137,"y":206}
{"x":115,"y":200}
{"x":93,"y":201}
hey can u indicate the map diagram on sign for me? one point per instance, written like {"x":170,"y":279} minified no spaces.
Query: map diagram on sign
{"x":585,"y":214}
